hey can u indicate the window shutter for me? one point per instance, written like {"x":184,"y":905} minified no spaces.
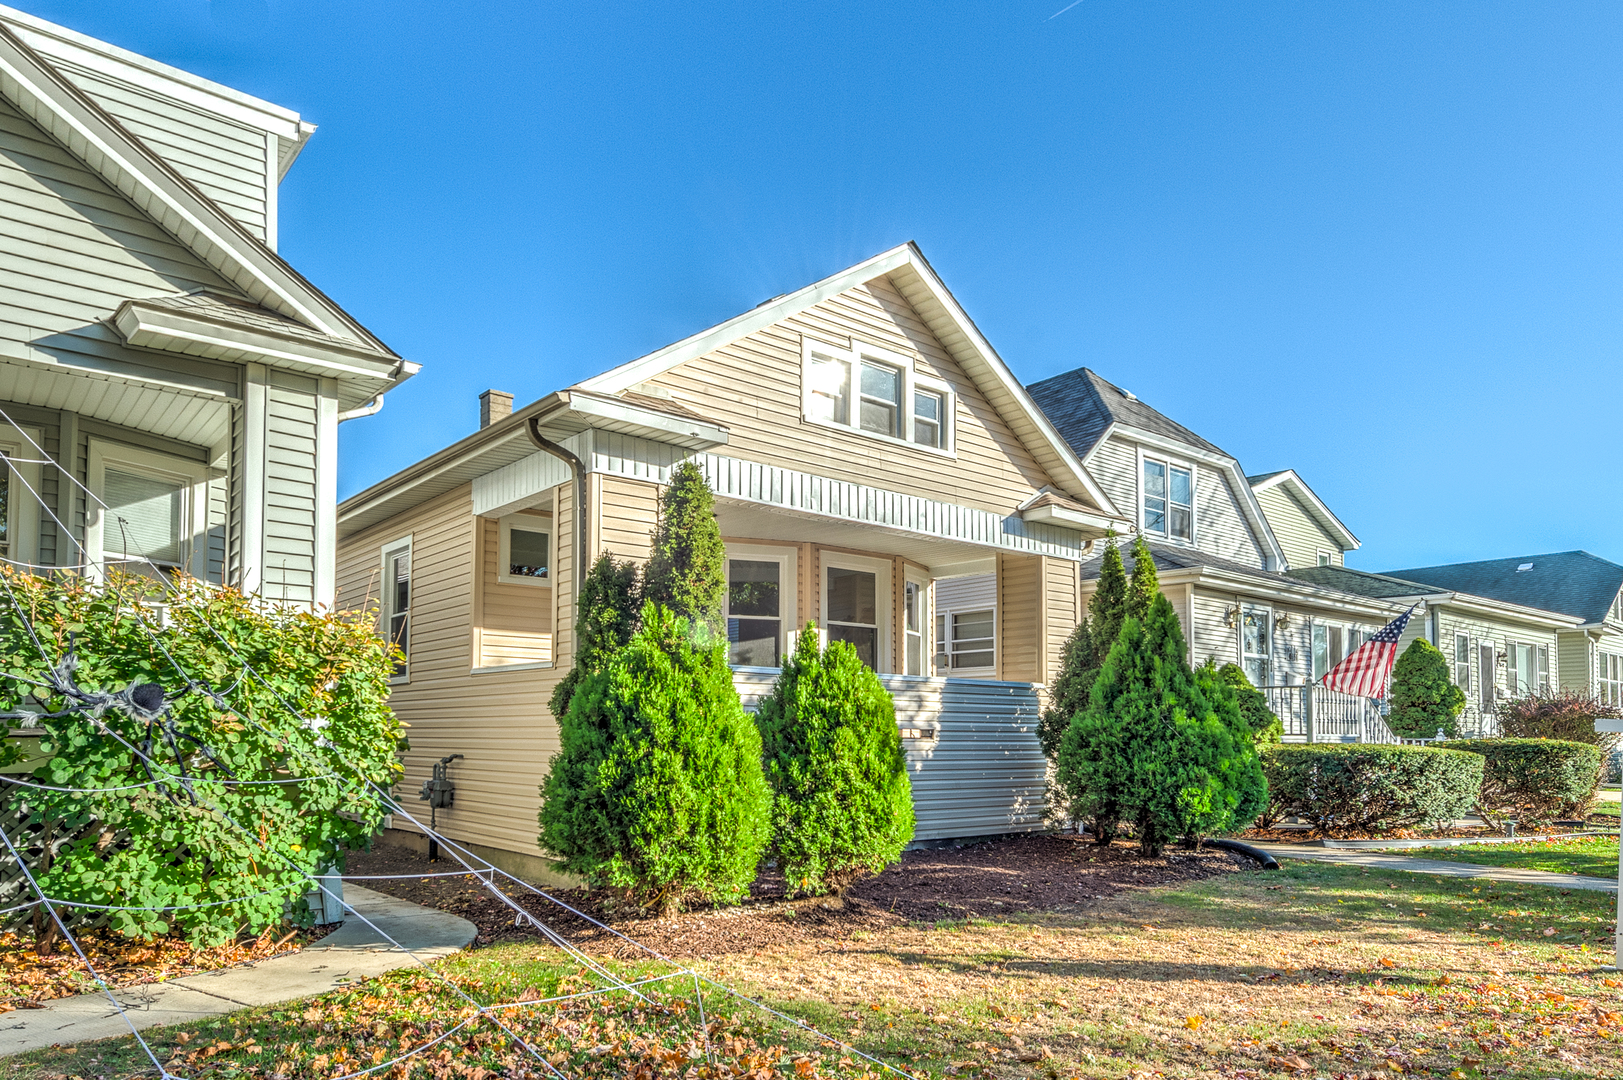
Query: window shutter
{"x":143,"y":517}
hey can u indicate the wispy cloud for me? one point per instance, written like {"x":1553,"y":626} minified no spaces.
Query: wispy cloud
{"x":1062,"y":10}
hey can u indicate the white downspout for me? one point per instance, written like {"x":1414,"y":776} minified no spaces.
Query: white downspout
{"x":371,"y":408}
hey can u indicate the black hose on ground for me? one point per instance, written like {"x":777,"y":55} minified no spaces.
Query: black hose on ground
{"x":1268,"y":861}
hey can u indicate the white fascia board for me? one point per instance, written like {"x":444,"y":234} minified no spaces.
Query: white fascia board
{"x":68,"y":115}
{"x":1328,"y":519}
{"x":70,"y":46}
{"x":1499,"y":609}
{"x":1288,"y":591}
{"x":171,"y":330}
{"x":1249,"y":506}
{"x":591,"y":406}
{"x":1092,"y":525}
{"x":655,"y":363}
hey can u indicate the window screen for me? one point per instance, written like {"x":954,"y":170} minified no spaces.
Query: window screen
{"x":144,"y":516}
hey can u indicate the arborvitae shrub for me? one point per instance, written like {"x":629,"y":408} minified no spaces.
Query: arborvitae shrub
{"x":1349,"y":790}
{"x":657,"y":788}
{"x":1534,"y":781}
{"x":1108,"y":607}
{"x":1424,"y":697}
{"x":606,"y":616}
{"x":1266,"y":728}
{"x":687,"y":570}
{"x":842,"y":805}
{"x":1157,"y":745}
{"x":1146,"y":583}
{"x":1078,"y":667}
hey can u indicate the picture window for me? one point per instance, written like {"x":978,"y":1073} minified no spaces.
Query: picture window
{"x":524,"y":552}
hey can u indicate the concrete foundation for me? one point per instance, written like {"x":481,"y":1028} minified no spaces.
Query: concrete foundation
{"x":535,"y":869}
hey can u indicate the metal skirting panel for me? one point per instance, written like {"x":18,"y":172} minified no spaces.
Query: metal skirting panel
{"x":971,"y":747}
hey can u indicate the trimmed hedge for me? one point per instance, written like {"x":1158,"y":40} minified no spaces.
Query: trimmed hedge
{"x":1363,"y":788}
{"x":1533,"y":781}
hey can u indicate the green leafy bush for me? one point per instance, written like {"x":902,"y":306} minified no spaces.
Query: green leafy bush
{"x":606,"y":617}
{"x":1266,"y":728}
{"x":297,"y":788}
{"x":1534,"y":781}
{"x":1159,"y":745}
{"x":657,"y":788}
{"x":1363,"y":788}
{"x":842,"y":802}
{"x":687,"y":571}
{"x":1424,"y":697}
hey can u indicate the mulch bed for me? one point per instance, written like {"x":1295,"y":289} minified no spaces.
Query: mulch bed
{"x":1016,"y":875}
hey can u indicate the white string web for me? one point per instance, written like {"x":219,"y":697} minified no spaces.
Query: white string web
{"x":163,"y":756}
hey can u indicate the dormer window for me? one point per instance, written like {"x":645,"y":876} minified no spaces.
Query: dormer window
{"x":876,"y":393}
{"x":1169,"y":500}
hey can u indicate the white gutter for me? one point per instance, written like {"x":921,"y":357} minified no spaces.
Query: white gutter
{"x":371,"y":408}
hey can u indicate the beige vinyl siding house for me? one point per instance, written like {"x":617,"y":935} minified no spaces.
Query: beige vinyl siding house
{"x":1308,"y":533}
{"x":869,"y":453}
{"x":182,"y":384}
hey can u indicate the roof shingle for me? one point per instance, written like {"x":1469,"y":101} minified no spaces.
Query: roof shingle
{"x":1081,"y":406}
{"x":1573,"y":583}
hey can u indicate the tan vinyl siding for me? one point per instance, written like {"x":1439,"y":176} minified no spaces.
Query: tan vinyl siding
{"x":1060,"y":612}
{"x":627,"y":512}
{"x":498,"y":720}
{"x":515,"y":618}
{"x":1020,"y":609}
{"x":75,"y":249}
{"x":225,"y":160}
{"x":1299,"y":534}
{"x":753,"y":387}
{"x":290,"y":487}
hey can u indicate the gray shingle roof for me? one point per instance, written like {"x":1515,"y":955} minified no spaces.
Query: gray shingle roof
{"x":1572,"y":583}
{"x":1081,"y":405}
{"x":1359,"y":582}
{"x":1168,"y":557}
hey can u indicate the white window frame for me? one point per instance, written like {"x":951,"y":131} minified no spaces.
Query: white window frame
{"x":23,"y":506}
{"x":1170,"y":463}
{"x":193,"y":477}
{"x":884,"y":599}
{"x":944,"y":644}
{"x":911,"y":380}
{"x":926,"y":621}
{"x":1267,"y":612}
{"x":527,"y":523}
{"x":1325,"y":557}
{"x":1462,"y":641}
{"x":386,"y":610}
{"x":788,"y":600}
{"x":1609,"y":685}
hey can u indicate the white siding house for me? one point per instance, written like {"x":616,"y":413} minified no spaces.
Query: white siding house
{"x":156,"y":356}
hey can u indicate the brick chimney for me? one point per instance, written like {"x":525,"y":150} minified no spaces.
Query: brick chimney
{"x":493,"y":406}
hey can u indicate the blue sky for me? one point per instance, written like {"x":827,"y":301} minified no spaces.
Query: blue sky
{"x":1379,"y":243}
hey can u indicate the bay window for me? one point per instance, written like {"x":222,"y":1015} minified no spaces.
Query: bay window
{"x":1169,"y":499}
{"x":876,"y":393}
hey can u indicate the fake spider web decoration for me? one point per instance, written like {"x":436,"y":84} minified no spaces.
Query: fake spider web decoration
{"x":535,"y":1035}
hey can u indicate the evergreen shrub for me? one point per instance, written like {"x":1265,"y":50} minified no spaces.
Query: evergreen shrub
{"x":295,"y":789}
{"x":1363,"y":788}
{"x":1265,"y":725}
{"x":657,"y":788}
{"x":606,"y":617}
{"x":842,"y":802}
{"x":1534,"y":781}
{"x":687,"y":570}
{"x":1424,"y":697}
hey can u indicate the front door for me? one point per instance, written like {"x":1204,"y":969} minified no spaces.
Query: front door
{"x":1486,"y":664}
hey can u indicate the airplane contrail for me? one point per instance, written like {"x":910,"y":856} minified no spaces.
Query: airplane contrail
{"x":1062,"y":10}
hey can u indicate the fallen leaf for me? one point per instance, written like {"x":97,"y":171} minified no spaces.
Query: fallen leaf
{"x":1193,"y":1022}
{"x":1387,"y":963}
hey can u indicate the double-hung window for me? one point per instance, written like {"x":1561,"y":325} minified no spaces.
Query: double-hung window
{"x":967,"y":639}
{"x":1611,"y":678}
{"x":1256,"y":644}
{"x":876,"y":393}
{"x":396,"y":602}
{"x":1332,"y":643}
{"x":19,"y":480}
{"x":915,"y":598}
{"x":1527,"y":668}
{"x":148,"y":511}
{"x":1169,"y":499}
{"x":760,"y":603}
{"x":1462,"y":661}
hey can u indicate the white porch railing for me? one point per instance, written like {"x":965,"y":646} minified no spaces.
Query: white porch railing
{"x":1317,"y":714}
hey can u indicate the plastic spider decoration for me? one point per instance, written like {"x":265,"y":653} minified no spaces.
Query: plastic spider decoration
{"x":145,"y":703}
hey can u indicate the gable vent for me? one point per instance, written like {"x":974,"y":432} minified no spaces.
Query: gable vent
{"x":1524,"y":567}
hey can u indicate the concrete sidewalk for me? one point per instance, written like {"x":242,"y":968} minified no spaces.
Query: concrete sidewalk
{"x":1383,"y":860}
{"x":348,"y":955}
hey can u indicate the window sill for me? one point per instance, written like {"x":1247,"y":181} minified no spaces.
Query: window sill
{"x":534,"y":582}
{"x":492,"y":669}
{"x":950,"y":454}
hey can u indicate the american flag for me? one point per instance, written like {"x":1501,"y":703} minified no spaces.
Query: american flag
{"x":1367,"y":668}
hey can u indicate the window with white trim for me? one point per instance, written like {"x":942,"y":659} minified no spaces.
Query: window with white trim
{"x":1326,"y":558}
{"x":915,"y":627}
{"x":1256,"y":644}
{"x":760,"y":604}
{"x":1617,"y":607}
{"x":19,"y":505}
{"x":1462,"y":661}
{"x":1169,"y":499}
{"x":1332,"y":643}
{"x":1527,"y":668}
{"x":967,"y":640}
{"x":149,"y":513}
{"x":396,"y":602}
{"x":875,"y":393}
{"x":524,"y":550}
{"x":1611,"y":678}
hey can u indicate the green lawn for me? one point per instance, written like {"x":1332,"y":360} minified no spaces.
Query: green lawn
{"x":1314,"y":970}
{"x":1595,"y":857}
{"x":1605,"y":806}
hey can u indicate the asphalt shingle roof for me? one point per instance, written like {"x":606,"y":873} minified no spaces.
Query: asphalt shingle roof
{"x":1359,"y":582}
{"x":1081,"y":406}
{"x":1168,"y":557}
{"x":1572,"y":583}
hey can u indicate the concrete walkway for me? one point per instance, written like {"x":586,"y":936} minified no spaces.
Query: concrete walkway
{"x":1384,"y":860}
{"x":348,"y":955}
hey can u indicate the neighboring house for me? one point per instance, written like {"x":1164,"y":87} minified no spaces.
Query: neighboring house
{"x":1495,"y":648}
{"x":866,"y":445}
{"x":1582,"y":588}
{"x":152,"y":343}
{"x":1217,"y":537}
